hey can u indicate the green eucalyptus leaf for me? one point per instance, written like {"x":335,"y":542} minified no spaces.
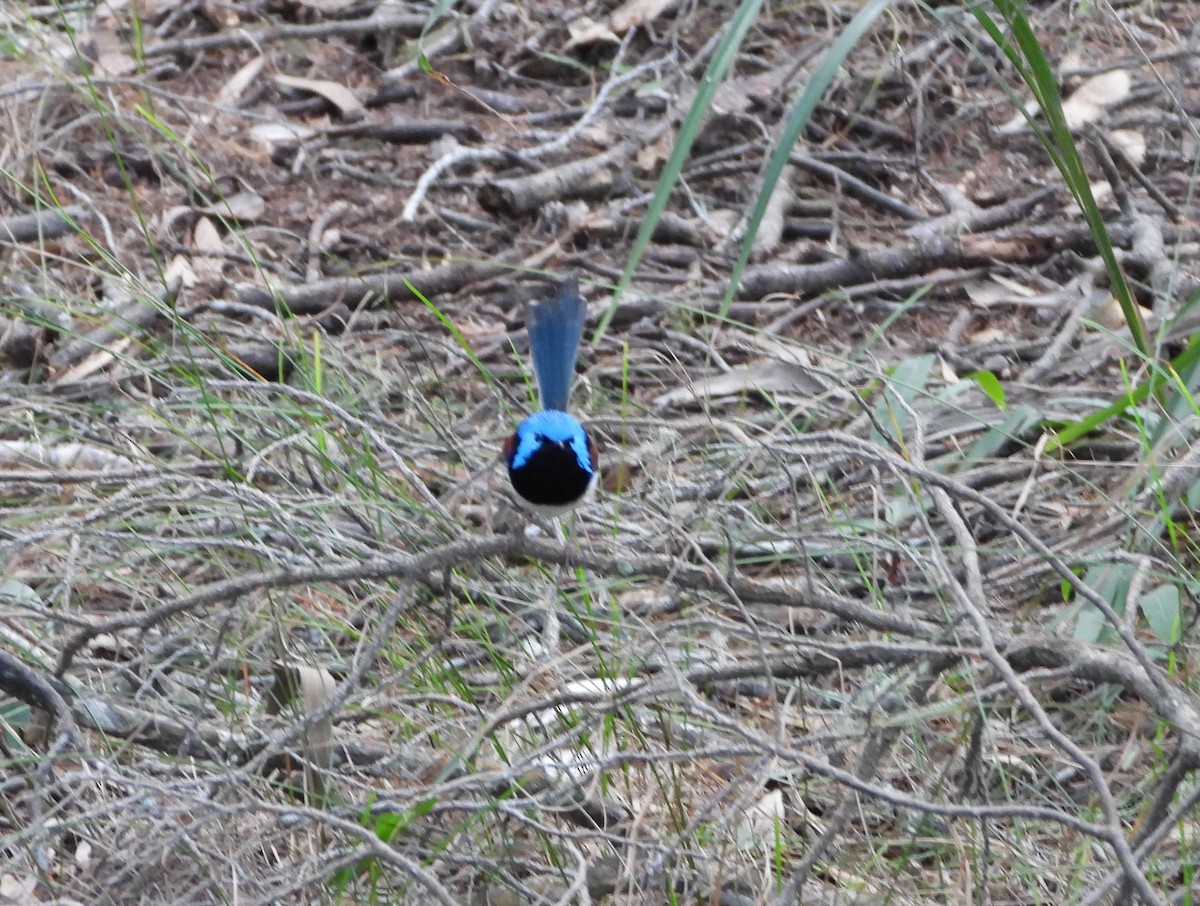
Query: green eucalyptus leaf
{"x":990,"y":384}
{"x":1017,"y":421}
{"x":1160,"y":607}
{"x":1089,"y":624}
{"x":906,"y":381}
{"x":1111,"y":582}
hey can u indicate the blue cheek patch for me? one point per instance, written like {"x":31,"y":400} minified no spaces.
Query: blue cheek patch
{"x":556,"y":427}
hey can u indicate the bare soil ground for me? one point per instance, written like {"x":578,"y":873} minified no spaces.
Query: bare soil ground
{"x":840,"y":627}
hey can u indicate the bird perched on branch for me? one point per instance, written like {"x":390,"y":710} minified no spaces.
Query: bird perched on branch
{"x":550,"y":457}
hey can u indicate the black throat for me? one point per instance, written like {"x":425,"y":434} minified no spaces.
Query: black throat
{"x":552,"y":476}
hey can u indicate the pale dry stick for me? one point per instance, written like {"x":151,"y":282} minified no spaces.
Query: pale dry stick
{"x":334,"y":861}
{"x":1031,"y":480}
{"x":852,"y":185}
{"x":316,"y":233}
{"x":1168,"y":84}
{"x":48,"y":223}
{"x":1134,"y":169}
{"x":42,"y":87}
{"x":399,"y":566}
{"x":458,"y":156}
{"x":1065,"y":336}
{"x":758,"y":743}
{"x":868,"y":765}
{"x":243,"y":37}
{"x":1151,"y":686}
{"x":233,"y":309}
{"x":577,"y":891}
{"x":1177,"y":435}
{"x":1137,"y":583}
{"x":563,"y":141}
{"x":208,"y":544}
{"x":1177,"y":478}
{"x":208,"y":489}
{"x":367,"y":426}
{"x":25,"y":684}
{"x":1182,"y":815}
{"x":834,"y":444}
{"x":450,"y":40}
{"x":826,"y":657}
{"x":374,"y":846}
{"x":365,"y":659}
{"x":471,"y":550}
{"x":447,"y":161}
{"x":519,"y":812}
{"x":245,"y":494}
{"x":532,"y":191}
{"x":116,"y":719}
{"x":879,"y":743}
{"x":974,"y":602}
{"x":748,"y":776}
{"x":110,"y":242}
{"x":89,"y":476}
{"x":124,"y":500}
{"x":468,"y":748}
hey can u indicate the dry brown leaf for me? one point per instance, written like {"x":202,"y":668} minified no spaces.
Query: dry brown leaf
{"x":97,"y":361}
{"x":178,"y":272}
{"x":244,"y":206}
{"x":722,"y":222}
{"x":769,"y":376}
{"x":308,"y":688}
{"x":237,"y":84}
{"x":1132,"y":142}
{"x":206,"y":239}
{"x":281,"y":133}
{"x":174,"y":220}
{"x":221,"y":13}
{"x":1110,"y":315}
{"x":985,"y":294}
{"x":770,"y":228}
{"x":1015,"y":287}
{"x":108,"y":51}
{"x":1018,"y":122}
{"x":14,"y":889}
{"x":740,"y":93}
{"x":336,"y":93}
{"x":1093,"y":96}
{"x":990,"y":334}
{"x":113,"y":65}
{"x":329,"y":7}
{"x":651,"y":157}
{"x":996,"y":289}
{"x":63,"y":457}
{"x":584,"y":31}
{"x":633,"y":13}
{"x":760,"y":823}
{"x":113,"y":647}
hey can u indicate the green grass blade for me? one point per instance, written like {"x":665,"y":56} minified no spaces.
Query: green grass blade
{"x":1183,"y":364}
{"x":1025,"y":53}
{"x":796,"y":122}
{"x":722,"y":60}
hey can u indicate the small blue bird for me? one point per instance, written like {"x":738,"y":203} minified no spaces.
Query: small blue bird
{"x":551,"y":460}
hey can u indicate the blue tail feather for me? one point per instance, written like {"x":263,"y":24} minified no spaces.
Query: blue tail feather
{"x":555,"y":329}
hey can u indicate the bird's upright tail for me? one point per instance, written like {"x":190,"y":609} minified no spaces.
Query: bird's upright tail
{"x":555,"y":328}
